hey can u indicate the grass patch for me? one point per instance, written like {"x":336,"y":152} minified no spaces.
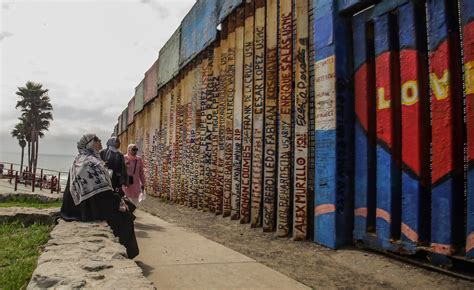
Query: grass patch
{"x":19,"y":251}
{"x":22,"y":202}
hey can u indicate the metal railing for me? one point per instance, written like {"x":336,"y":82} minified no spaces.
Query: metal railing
{"x":41,"y":178}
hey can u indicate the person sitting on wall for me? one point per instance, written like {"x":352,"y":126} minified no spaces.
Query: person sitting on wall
{"x":136,"y":175}
{"x":115,"y":161}
{"x":89,"y":195}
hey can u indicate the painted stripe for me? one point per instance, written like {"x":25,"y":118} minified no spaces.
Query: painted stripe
{"x":324,"y":209}
{"x":383,"y":214}
{"x":470,"y":242}
{"x":409,"y":233}
{"x":444,"y":249}
{"x":361,"y":212}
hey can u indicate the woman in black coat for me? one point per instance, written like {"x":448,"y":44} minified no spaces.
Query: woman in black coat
{"x":89,"y":195}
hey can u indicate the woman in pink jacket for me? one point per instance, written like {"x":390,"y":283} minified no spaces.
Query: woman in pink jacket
{"x":135,"y":172}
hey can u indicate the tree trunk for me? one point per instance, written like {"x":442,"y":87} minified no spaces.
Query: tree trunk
{"x":33,"y":150}
{"x":22,"y":155}
{"x":29,"y":153}
{"x":36,"y":154}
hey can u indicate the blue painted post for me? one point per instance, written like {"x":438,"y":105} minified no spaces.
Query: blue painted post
{"x":364,"y":126}
{"x":447,"y":148}
{"x":415,"y":125}
{"x":388,"y":109}
{"x":467,"y":14}
{"x":333,"y":206}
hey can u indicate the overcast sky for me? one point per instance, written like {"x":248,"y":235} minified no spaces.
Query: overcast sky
{"x":89,"y":54}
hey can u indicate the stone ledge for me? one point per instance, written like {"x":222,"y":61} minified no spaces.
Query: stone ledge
{"x":29,"y":215}
{"x":86,"y":255}
{"x":43,"y":197}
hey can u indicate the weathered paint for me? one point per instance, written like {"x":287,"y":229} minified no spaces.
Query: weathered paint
{"x":139,"y":93}
{"x":131,"y":111}
{"x":415,"y":125}
{"x":168,"y":60}
{"x":247,"y":113}
{"x":284,"y":109}
{"x":198,"y":30}
{"x":125,"y":119}
{"x":333,"y":125}
{"x":446,"y":104}
{"x":237,"y":115}
{"x":258,"y":115}
{"x":467,"y":14}
{"x":222,"y":119}
{"x":225,"y":8}
{"x":213,"y":128}
{"x":271,"y":103}
{"x":301,"y":122}
{"x":387,"y":79}
{"x":151,"y":83}
{"x":229,"y":120}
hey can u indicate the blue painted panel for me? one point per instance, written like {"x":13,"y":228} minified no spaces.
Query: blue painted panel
{"x":359,"y":38}
{"x":441,"y":229}
{"x":407,"y":26}
{"x":411,"y":190}
{"x":344,"y":5}
{"x":325,"y":35}
{"x":383,"y":41}
{"x":361,"y":181}
{"x":324,"y":188}
{"x":467,"y":11}
{"x":385,"y":180}
{"x":198,"y":30}
{"x":470,"y":212}
{"x":439,"y":23}
{"x":225,"y":7}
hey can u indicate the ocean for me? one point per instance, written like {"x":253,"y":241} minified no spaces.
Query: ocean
{"x":51,"y":162}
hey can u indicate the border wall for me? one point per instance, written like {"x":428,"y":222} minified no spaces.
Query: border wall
{"x":348,"y":121}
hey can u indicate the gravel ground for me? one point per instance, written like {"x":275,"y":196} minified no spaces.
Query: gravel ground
{"x":307,"y":262}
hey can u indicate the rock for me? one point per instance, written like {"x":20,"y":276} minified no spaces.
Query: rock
{"x":29,"y":215}
{"x":43,"y":197}
{"x":86,"y":255}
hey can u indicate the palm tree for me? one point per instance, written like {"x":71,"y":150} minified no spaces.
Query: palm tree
{"x":36,"y":110}
{"x":20,"y":132}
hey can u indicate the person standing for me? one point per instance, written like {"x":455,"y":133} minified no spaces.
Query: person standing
{"x":134,"y":164}
{"x":115,"y":161}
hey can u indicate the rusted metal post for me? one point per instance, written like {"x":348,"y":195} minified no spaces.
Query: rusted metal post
{"x":33,"y":181}
{"x":41,"y":180}
{"x":58,"y":186}
{"x":16,"y":181}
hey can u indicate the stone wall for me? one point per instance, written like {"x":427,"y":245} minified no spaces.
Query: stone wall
{"x":86,"y":255}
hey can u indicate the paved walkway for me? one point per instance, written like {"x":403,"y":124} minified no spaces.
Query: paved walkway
{"x":175,"y":258}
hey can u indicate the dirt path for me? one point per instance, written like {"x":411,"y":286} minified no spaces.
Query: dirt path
{"x":306,"y":262}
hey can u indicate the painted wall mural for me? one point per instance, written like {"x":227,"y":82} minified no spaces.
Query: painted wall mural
{"x":229,"y":128}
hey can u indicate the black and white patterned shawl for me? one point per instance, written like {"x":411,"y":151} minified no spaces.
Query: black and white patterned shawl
{"x":88,"y":175}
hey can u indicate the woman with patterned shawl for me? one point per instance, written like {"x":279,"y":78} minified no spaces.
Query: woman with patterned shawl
{"x":89,"y":196}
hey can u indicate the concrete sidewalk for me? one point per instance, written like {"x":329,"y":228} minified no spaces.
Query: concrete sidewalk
{"x":175,"y":258}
